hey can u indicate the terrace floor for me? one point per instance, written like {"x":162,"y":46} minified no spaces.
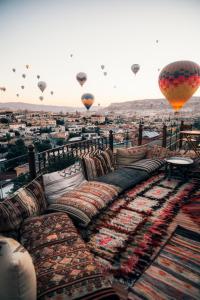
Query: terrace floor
{"x":185,"y":218}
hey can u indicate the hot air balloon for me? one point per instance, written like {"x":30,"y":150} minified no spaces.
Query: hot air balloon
{"x":24,"y":75}
{"x":102,"y":67}
{"x":42,"y":85}
{"x":178,"y":81}
{"x":22,"y":87}
{"x":17,"y":95}
{"x":156,"y":41}
{"x":135,"y":68}
{"x":51,"y":92}
{"x":41,"y":98}
{"x":87,"y":99}
{"x":3,"y":89}
{"x":104,"y":73}
{"x":81,"y":77}
{"x":27,"y":66}
{"x":71,"y":55}
{"x":13,"y":69}
{"x":38,"y":76}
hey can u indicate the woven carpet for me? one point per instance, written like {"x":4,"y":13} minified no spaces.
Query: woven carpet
{"x":175,"y":272}
{"x":192,"y":209}
{"x":123,"y":238}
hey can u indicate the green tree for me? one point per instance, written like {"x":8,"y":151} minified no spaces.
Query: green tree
{"x":43,"y":145}
{"x":4,"y":121}
{"x":60,"y":122}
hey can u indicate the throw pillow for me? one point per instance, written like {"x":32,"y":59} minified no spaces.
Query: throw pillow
{"x":157,"y":151}
{"x":17,"y":272}
{"x":65,"y":268}
{"x":85,"y":202}
{"x":25,"y":202}
{"x":58,"y":183}
{"x":125,"y":157}
{"x":148,"y":165}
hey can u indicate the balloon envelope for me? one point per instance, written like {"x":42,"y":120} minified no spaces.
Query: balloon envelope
{"x":24,"y":75}
{"x":135,"y":68}
{"x":87,"y":100}
{"x":41,"y":98}
{"x":27,"y":66}
{"x":178,"y":81}
{"x":13,"y":69}
{"x":22,"y":87}
{"x":38,"y":76}
{"x":81,"y":77}
{"x":102,"y":67}
{"x":51,"y":92}
{"x":42,"y":85}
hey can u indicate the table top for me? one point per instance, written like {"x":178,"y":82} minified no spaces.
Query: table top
{"x":191,"y":132}
{"x":176,"y":160}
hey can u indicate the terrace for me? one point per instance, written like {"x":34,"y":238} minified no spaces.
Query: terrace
{"x":128,"y":237}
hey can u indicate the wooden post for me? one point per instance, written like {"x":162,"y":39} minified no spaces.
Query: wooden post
{"x":181,"y":136}
{"x":140,"y":134}
{"x":164,"y":136}
{"x":111,"y":140}
{"x":31,"y":161}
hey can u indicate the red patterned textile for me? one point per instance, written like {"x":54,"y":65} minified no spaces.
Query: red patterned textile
{"x":65,"y":268}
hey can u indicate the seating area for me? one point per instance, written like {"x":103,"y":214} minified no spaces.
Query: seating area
{"x":92,"y":230}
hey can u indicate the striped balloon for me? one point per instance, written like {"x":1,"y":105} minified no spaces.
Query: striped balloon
{"x":87,"y":99}
{"x":178,"y":81}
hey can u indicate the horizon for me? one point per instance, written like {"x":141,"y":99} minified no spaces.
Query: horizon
{"x":45,"y":33}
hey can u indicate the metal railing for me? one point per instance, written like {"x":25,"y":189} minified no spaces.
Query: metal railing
{"x":63,"y":156}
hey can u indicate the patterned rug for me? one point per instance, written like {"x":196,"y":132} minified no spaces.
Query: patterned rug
{"x":175,"y":273}
{"x":192,"y":209}
{"x":123,"y":238}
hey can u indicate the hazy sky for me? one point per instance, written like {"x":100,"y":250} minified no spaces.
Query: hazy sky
{"x":116,"y":33}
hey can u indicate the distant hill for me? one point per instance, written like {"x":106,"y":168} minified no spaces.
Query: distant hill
{"x":39,"y":107}
{"x":150,"y":104}
{"x":136,"y":105}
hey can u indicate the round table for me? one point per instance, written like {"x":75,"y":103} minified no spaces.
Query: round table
{"x":178,"y":165}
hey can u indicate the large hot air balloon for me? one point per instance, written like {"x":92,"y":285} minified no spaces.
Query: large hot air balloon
{"x":81,"y":77}
{"x":178,"y":81}
{"x":87,"y":100}
{"x":42,"y":85}
{"x":102,"y":67}
{"x":24,"y":75}
{"x":135,"y":68}
{"x":41,"y":98}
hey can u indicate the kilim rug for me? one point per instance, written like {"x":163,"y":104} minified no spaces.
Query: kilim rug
{"x":192,"y":209}
{"x":175,"y":272}
{"x":123,"y":238}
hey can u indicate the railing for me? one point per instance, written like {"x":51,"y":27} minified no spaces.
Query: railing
{"x":63,"y":156}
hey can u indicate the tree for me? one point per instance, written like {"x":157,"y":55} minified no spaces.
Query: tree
{"x":43,"y":145}
{"x":59,"y":142}
{"x":60,"y":122}
{"x":4,"y":120}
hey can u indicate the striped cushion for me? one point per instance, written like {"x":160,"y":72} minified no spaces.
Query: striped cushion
{"x":125,"y":157}
{"x":26,"y":202}
{"x":85,"y":202}
{"x":58,"y":183}
{"x":148,"y":165}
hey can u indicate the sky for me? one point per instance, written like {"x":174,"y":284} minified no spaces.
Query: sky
{"x":114,"y":33}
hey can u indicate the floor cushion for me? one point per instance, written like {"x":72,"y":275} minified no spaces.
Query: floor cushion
{"x":86,"y":201}
{"x":127,"y":156}
{"x":17,"y":272}
{"x":25,"y":202}
{"x":58,"y":183}
{"x":148,"y":165}
{"x":124,"y":178}
{"x":65,"y":268}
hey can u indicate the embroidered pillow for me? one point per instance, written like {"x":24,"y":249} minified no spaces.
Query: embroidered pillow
{"x":17,"y":272}
{"x":148,"y":165}
{"x":25,"y":202}
{"x":83,"y":203}
{"x":125,"y":157}
{"x":58,"y":183}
